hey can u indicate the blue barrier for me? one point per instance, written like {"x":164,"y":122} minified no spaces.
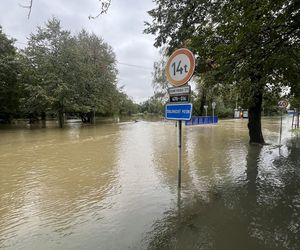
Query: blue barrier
{"x":198,"y":120}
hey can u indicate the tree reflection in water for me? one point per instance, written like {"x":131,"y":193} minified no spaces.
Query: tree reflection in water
{"x":262,"y":212}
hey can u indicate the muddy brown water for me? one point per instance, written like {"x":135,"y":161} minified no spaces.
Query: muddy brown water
{"x":114,"y":186}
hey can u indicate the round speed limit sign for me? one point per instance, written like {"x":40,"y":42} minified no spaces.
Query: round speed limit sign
{"x":283,"y":104}
{"x":180,"y":67}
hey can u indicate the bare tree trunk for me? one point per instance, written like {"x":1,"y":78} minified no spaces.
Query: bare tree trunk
{"x":202,"y":102}
{"x":254,"y":122}
{"x":43,"y":116}
{"x":60,"y":118}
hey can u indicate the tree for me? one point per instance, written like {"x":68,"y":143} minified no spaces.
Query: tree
{"x":127,"y":106}
{"x":9,"y":71}
{"x":154,"y":105}
{"x":96,"y":77}
{"x":49,"y":60}
{"x":254,"y":45}
{"x":159,"y":80}
{"x":97,"y":73}
{"x":64,"y":73}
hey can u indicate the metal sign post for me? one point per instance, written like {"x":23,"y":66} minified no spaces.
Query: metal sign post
{"x":179,"y":112}
{"x":179,"y":151}
{"x":213,"y":110}
{"x":280,"y":128}
{"x":180,"y":68}
{"x":282,"y":104}
{"x":205,"y":106}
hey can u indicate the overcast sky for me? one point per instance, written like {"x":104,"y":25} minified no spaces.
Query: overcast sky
{"x":122,"y":27}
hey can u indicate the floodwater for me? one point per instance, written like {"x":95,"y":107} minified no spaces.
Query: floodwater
{"x":114,"y":186}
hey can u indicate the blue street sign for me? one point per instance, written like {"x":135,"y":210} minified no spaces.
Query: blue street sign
{"x":181,"y":112}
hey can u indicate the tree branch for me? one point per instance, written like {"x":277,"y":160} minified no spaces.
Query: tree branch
{"x":105,"y":4}
{"x":29,"y":7}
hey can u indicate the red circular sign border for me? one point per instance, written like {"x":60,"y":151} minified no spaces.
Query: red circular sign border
{"x":284,"y":101}
{"x":191,"y":57}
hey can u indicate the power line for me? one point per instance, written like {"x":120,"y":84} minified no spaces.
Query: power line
{"x":134,"y":65}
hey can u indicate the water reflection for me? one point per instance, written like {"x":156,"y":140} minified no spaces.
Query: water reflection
{"x":276,"y":221}
{"x":115,"y":187}
{"x":257,"y":210}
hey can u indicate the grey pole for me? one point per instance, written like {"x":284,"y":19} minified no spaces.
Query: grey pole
{"x":213,"y":105}
{"x":179,"y":152}
{"x":205,"y":106}
{"x":280,"y":129}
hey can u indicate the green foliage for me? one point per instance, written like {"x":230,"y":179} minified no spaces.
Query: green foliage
{"x":295,"y":97}
{"x":95,"y":84}
{"x":60,"y":73}
{"x":48,"y":68}
{"x":159,"y":80}
{"x":154,"y":105}
{"x":126,"y":105}
{"x":251,"y":46}
{"x":75,"y":74}
{"x":9,"y":71}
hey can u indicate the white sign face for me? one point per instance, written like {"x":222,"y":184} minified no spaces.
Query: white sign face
{"x":179,"y":90}
{"x":283,"y":104}
{"x":205,"y":106}
{"x":180,"y":67}
{"x":213,"y":105}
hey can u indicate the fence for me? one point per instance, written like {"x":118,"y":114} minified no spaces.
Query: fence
{"x":198,"y":120}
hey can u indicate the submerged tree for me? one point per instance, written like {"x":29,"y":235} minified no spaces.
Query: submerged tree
{"x":96,"y":78}
{"x":51,"y":66}
{"x":64,"y":73}
{"x":9,"y":71}
{"x":253,"y":45}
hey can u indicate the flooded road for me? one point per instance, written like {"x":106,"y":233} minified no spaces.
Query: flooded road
{"x":114,"y":186}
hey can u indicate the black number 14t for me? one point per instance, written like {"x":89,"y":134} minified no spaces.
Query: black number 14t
{"x":179,"y":68}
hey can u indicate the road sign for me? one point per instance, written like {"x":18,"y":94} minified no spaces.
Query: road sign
{"x":180,"y":67}
{"x":183,"y":90}
{"x":180,"y":112}
{"x":179,"y":98}
{"x":213,"y":105}
{"x":283,"y":104}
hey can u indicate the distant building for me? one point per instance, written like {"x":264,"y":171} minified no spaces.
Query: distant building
{"x":240,"y":113}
